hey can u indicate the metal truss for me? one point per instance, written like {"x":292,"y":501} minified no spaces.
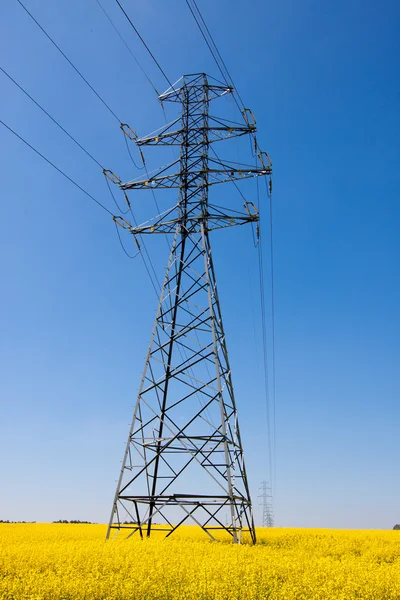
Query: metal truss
{"x":184,"y":458}
{"x":267,"y":512}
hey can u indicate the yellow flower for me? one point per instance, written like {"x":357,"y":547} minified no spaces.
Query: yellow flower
{"x":68,"y":562}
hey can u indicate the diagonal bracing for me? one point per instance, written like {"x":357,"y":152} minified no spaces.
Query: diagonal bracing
{"x":184,"y":458}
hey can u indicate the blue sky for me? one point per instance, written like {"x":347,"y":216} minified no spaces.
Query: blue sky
{"x":322,"y":80}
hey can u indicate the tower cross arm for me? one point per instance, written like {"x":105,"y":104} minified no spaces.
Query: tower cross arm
{"x":214,"y":176}
{"x":215,"y":134}
{"x":216,"y":217}
{"x":193,"y":224}
{"x":216,"y":129}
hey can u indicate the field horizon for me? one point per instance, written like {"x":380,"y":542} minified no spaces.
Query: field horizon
{"x":258,"y":527}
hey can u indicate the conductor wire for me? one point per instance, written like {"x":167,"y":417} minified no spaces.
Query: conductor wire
{"x":69,"y":61}
{"x":130,"y":154}
{"x":265,"y":346}
{"x":127,"y":47}
{"x":50,"y":117}
{"x":114,"y":198}
{"x":271,"y":237}
{"x":122,"y":245}
{"x":143,"y":42}
{"x":56,"y":168}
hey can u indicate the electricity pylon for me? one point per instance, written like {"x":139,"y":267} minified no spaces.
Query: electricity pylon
{"x":184,"y":459}
{"x":266,"y":496}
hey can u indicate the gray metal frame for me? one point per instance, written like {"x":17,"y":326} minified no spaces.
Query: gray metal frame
{"x":184,"y":453}
{"x":266,"y":498}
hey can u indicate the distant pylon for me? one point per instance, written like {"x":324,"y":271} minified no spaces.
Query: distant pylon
{"x":184,"y":458}
{"x":266,"y":497}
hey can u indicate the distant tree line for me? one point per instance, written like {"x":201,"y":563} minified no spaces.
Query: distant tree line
{"x":60,"y":521}
{"x":75,"y":521}
{"x":396,"y":527}
{"x":1,"y":521}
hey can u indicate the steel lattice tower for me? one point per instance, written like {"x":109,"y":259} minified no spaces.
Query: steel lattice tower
{"x":266,"y":496}
{"x":184,"y":456}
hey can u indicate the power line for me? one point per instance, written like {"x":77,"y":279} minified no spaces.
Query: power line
{"x":143,"y":42}
{"x":151,"y":268}
{"x":79,"y":145}
{"x":108,"y":108}
{"x":136,"y":61}
{"x":218,"y":59}
{"x":222,"y":67}
{"x":208,"y":44}
{"x":130,"y":154}
{"x":50,"y":117}
{"x":230,"y":176}
{"x":79,"y":187}
{"x":220,"y":63}
{"x":264,"y":344}
{"x":56,"y":168}
{"x":85,"y":80}
{"x":218,"y":52}
{"x":127,"y":46}
{"x":271,"y":237}
{"x":237,"y":188}
{"x":122,"y":245}
{"x":113,"y":197}
{"x":70,"y":62}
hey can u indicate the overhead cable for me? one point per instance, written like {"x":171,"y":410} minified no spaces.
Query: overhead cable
{"x":127,"y":46}
{"x":151,"y":268}
{"x":50,"y":117}
{"x":69,"y":61}
{"x":143,"y":42}
{"x":113,"y":196}
{"x":122,"y":245}
{"x":156,"y":286}
{"x":130,"y":154}
{"x":122,"y":126}
{"x":208,"y":44}
{"x":56,"y":168}
{"x":217,"y":51}
{"x":265,"y":347}
{"x":212,"y":46}
{"x":76,"y":185}
{"x":203,"y":28}
{"x":271,"y":238}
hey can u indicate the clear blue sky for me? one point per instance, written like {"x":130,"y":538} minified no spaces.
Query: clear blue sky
{"x":323,"y":81}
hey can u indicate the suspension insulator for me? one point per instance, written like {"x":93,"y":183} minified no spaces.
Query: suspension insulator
{"x":251,"y":209}
{"x":264,"y":159}
{"x":111,"y":176}
{"x":128,"y":131}
{"x":121,"y":222}
{"x":248,"y":117}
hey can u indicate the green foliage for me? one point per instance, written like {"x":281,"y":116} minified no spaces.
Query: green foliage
{"x":74,"y":521}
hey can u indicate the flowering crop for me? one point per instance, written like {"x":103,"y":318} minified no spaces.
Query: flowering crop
{"x":73,"y":562}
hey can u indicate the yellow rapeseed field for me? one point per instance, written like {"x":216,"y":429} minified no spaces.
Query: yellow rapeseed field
{"x":70,"y":562}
